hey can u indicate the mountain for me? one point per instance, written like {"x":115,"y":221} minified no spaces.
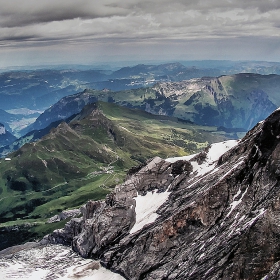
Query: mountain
{"x":63,"y":109}
{"x":168,"y":71}
{"x":230,"y":102}
{"x":39,"y":89}
{"x":6,"y":137}
{"x":84,"y":158}
{"x":240,"y":100}
{"x":32,"y":136}
{"x":213,"y":215}
{"x":36,"y":90}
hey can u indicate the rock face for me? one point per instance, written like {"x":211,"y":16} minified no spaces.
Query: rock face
{"x":214,"y":217}
{"x":105,"y":223}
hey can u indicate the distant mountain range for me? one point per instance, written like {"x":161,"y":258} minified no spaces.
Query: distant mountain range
{"x":36,"y":90}
{"x":230,"y":102}
{"x":39,"y":89}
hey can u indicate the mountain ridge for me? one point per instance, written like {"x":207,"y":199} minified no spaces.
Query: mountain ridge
{"x":220,"y":223}
{"x":233,"y":102}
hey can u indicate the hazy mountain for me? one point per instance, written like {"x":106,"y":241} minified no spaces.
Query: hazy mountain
{"x":169,"y":71}
{"x":32,"y":136}
{"x":209,"y":216}
{"x":37,"y":90}
{"x":238,"y":101}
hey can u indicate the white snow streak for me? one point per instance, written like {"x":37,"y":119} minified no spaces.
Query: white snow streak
{"x":236,"y":202}
{"x":172,"y":160}
{"x":215,"y":151}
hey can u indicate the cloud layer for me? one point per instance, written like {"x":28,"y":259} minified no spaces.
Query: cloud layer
{"x":30,"y":23}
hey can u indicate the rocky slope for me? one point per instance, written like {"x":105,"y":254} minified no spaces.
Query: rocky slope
{"x":211,"y":216}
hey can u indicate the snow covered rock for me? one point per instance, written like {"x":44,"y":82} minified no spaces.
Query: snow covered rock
{"x":33,"y":261}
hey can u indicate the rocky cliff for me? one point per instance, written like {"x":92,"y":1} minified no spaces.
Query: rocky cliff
{"x":201,"y":217}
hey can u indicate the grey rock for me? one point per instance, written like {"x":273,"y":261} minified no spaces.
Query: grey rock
{"x":64,"y":215}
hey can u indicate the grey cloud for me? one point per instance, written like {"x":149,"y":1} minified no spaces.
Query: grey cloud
{"x":135,"y":22}
{"x":206,"y":6}
{"x":19,"y":13}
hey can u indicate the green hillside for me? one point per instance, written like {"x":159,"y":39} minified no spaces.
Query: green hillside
{"x":84,"y":158}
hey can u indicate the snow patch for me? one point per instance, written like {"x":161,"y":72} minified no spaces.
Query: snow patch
{"x":228,"y":172}
{"x":14,"y":269}
{"x":201,"y":256}
{"x":146,"y":207}
{"x":261,"y":212}
{"x":218,"y":149}
{"x":86,"y":272}
{"x":45,"y":163}
{"x":213,"y":154}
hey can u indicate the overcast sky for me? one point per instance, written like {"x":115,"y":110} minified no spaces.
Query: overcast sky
{"x":88,"y":31}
